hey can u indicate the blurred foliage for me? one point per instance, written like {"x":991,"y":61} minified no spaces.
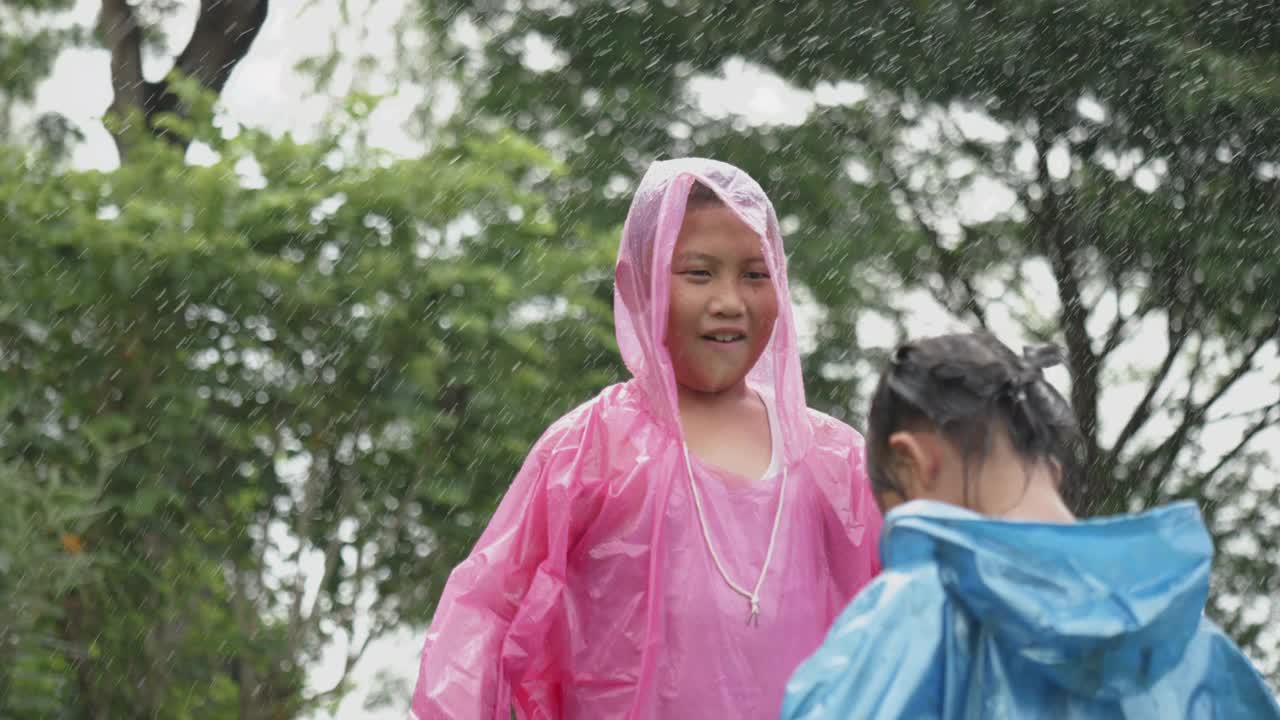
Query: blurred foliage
{"x":300,"y":354}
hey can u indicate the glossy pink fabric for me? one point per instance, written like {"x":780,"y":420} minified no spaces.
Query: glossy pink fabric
{"x":591,"y":594}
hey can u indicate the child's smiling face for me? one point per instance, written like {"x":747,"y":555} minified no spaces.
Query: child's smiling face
{"x":723,"y":302}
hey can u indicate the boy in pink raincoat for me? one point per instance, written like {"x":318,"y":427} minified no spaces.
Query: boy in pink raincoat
{"x":674,"y":547}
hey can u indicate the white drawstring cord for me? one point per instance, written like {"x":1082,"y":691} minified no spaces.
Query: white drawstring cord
{"x":753,"y":596}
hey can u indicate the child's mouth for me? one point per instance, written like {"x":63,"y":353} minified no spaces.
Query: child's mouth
{"x":726,"y":339}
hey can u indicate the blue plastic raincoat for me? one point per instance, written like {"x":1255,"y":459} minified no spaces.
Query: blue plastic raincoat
{"x":981,"y":618}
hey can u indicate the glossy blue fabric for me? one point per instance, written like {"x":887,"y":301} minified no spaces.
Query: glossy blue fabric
{"x":980,"y":618}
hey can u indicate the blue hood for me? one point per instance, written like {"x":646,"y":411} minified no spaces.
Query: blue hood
{"x":1102,"y":607}
{"x":976,"y":618}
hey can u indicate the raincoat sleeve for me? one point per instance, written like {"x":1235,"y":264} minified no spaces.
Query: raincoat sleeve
{"x":496,"y":635}
{"x":863,"y":670}
{"x":853,"y":521}
{"x":1237,"y":688}
{"x":867,"y":510}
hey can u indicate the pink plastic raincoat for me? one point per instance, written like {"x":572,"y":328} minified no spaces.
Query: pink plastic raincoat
{"x":592,"y":593}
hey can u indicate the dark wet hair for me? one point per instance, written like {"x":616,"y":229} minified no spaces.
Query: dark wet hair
{"x":701,"y":196}
{"x":958,"y":385}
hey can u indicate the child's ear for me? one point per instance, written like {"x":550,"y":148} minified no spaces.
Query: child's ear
{"x":915,"y":463}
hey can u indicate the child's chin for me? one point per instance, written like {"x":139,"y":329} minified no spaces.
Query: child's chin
{"x":717,"y":385}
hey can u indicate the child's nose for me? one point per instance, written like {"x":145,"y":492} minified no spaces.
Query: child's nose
{"x":727,"y":301}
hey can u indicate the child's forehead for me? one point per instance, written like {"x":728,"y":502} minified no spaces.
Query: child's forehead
{"x":716,"y":218}
{"x":718,"y":233}
{"x":719,"y":255}
{"x":732,"y":184}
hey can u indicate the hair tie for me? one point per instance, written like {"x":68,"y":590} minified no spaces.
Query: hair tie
{"x":899,"y":357}
{"x":1043,"y":356}
{"x":1035,"y":358}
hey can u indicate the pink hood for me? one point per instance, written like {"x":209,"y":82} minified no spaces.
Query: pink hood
{"x":591,"y":593}
{"x":643,"y":273}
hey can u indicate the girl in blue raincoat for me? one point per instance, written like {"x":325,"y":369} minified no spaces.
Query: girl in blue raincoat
{"x":994,"y":601}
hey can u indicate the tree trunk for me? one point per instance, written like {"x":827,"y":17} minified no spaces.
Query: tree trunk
{"x":77,"y":649}
{"x":1058,"y":237}
{"x":223,"y":34}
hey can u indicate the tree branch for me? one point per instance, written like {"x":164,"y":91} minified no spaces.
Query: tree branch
{"x":1240,"y":415}
{"x":376,"y":629}
{"x":951,"y":265}
{"x":122,"y":36}
{"x":1051,"y":226}
{"x":349,"y":664}
{"x":332,"y":553}
{"x":302,"y":530}
{"x":1115,"y":334}
{"x":224,"y":32}
{"x":1142,"y":412}
{"x":1262,"y":424}
{"x":242,"y":672}
{"x":1168,"y":451}
{"x":76,"y":651}
{"x":1193,"y":377}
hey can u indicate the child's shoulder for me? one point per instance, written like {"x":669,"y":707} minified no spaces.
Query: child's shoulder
{"x":831,"y":433}
{"x":1213,"y":661}
{"x":612,"y":398}
{"x":899,"y":615}
{"x":611,"y":406}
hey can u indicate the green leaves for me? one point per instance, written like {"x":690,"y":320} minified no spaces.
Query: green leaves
{"x":241,"y":376}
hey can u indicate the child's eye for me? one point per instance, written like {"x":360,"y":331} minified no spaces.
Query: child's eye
{"x":757,"y":276}
{"x":697,"y":274}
